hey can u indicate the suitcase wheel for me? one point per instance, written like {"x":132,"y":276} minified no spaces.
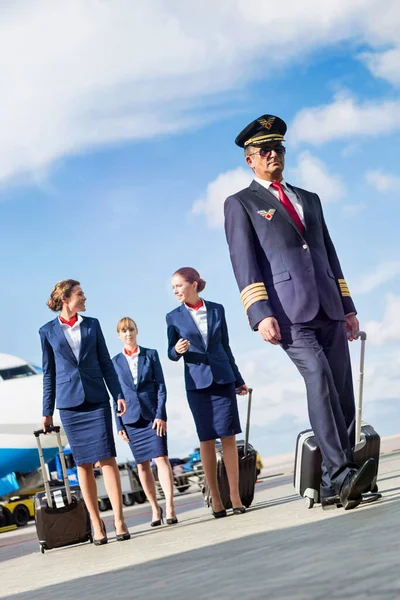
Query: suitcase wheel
{"x":90,"y":538}
{"x":41,"y":549}
{"x":309,"y":502}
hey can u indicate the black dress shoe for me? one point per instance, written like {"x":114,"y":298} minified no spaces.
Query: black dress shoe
{"x":356,"y":483}
{"x":329,"y":502}
{"x":121,"y":537}
{"x":239,"y":511}
{"x":172,"y":521}
{"x":103,"y":540}
{"x":160,"y":520}
{"x":219,"y":513}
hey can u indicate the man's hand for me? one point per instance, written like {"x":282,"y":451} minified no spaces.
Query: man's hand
{"x":124,"y":435}
{"x":352,"y":327}
{"x":47,"y":422}
{"x":269,"y":330}
{"x":182,"y":346}
{"x":121,"y":407}
{"x":242,"y":390}
{"x":160,"y":426}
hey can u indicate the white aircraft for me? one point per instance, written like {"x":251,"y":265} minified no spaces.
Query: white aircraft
{"x":20,"y":415}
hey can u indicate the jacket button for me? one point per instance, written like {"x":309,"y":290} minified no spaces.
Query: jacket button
{"x":305,"y":246}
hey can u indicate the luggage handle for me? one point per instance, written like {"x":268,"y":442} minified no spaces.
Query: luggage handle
{"x":246,"y":439}
{"x":363,"y":336}
{"x":50,"y":429}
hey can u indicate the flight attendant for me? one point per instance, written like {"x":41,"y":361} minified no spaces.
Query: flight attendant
{"x":197,"y":331}
{"x":76,"y":366}
{"x":144,"y":424}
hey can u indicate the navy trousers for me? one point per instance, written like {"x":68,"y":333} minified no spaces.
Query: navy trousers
{"x":320,"y":351}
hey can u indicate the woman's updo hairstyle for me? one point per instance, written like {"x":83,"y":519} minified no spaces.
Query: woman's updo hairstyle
{"x":62,"y":289}
{"x":191,"y":275}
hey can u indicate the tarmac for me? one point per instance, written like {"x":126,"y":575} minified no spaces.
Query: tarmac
{"x":279,"y":549}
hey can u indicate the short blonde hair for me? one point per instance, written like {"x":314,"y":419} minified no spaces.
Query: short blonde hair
{"x":124,"y":323}
{"x":62,"y":289}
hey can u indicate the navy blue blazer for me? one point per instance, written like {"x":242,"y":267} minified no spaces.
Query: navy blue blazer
{"x":203,"y":365}
{"x":67,"y":382}
{"x":146,"y":399}
{"x":279,"y":271}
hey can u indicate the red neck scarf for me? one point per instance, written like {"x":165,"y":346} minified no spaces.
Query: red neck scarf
{"x":196,"y":306}
{"x":131,"y":352}
{"x":70,"y":322}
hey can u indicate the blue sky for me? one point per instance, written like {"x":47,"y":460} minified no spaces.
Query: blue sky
{"x":117,"y":152}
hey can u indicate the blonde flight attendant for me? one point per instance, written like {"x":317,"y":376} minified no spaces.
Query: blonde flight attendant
{"x":144,"y":425}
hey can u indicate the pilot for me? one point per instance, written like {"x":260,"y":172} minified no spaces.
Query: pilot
{"x":76,"y":367}
{"x":197,"y":331}
{"x":294,"y":294}
{"x":144,"y":425}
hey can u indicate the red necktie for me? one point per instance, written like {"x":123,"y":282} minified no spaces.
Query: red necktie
{"x":196,"y":306}
{"x":70,"y":322}
{"x":289,"y":206}
{"x":131,"y":352}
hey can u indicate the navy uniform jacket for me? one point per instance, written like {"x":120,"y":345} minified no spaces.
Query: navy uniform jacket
{"x":69,"y":382}
{"x":280,"y":272}
{"x":203,"y":365}
{"x":146,"y":399}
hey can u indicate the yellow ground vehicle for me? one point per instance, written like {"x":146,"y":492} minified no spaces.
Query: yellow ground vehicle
{"x":19,"y":510}
{"x":259,"y":464}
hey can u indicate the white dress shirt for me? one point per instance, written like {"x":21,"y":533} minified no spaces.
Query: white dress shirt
{"x":199,"y":316}
{"x":133,"y":364}
{"x":294,"y":199}
{"x":73,"y":335}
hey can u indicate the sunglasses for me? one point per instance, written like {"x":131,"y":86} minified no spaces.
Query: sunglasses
{"x":264,"y":152}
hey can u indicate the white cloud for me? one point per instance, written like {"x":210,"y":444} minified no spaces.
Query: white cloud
{"x":345,"y":118}
{"x":354,"y":209}
{"x":378,"y":276}
{"x":312,"y":174}
{"x":76,"y":75}
{"x":226,"y":184}
{"x":383,"y":182}
{"x":385,"y":64}
{"x":388,"y":329}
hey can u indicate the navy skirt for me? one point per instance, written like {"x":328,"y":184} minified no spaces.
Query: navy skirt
{"x":215,"y":411}
{"x":144,"y":441}
{"x":89,"y":430}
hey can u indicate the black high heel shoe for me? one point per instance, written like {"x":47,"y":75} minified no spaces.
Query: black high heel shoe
{"x":121,"y":537}
{"x":239,"y":511}
{"x":219,"y":513}
{"x":104,"y":539}
{"x":160,"y":520}
{"x":172,"y":521}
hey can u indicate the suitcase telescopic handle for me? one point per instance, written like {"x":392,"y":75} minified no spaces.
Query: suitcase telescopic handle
{"x":53,"y":429}
{"x":246,"y":439}
{"x":362,"y":336}
{"x":49,"y":429}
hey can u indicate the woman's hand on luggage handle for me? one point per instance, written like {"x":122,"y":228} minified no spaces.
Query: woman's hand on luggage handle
{"x":352,"y":326}
{"x":242,"y":390}
{"x":124,"y":435}
{"x":269,"y":330}
{"x":47,"y":422}
{"x":121,"y":407}
{"x":182,"y":346}
{"x":160,"y":426}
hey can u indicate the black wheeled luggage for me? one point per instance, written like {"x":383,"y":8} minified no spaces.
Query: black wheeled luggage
{"x":61,"y":516}
{"x":308,"y":460}
{"x":247,"y":470}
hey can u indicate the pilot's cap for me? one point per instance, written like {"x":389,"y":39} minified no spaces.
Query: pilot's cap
{"x":263,"y":130}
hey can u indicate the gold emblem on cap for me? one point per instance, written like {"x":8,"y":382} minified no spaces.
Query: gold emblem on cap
{"x":267,"y":122}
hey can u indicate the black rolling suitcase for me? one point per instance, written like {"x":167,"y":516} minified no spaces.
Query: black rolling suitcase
{"x":61,"y":515}
{"x":247,"y":470}
{"x":308,"y":460}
